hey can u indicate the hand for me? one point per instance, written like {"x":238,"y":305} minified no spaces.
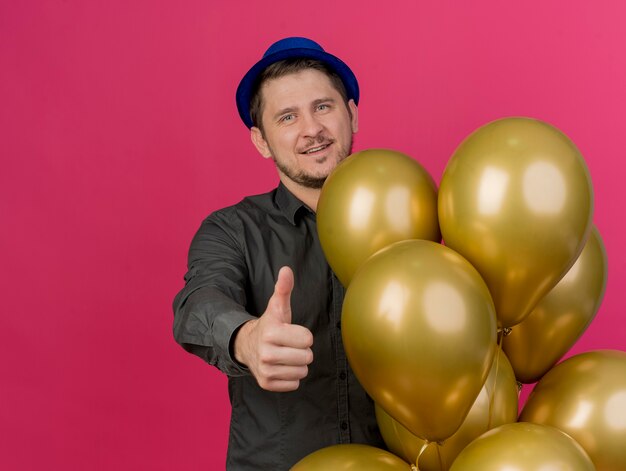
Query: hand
{"x":276,"y":351}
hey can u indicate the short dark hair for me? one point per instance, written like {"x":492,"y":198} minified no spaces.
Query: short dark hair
{"x":286,"y":67}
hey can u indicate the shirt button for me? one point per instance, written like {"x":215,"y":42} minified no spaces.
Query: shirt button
{"x":342,"y":375}
{"x":344,"y":426}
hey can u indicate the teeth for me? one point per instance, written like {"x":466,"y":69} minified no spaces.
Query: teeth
{"x":315,"y":149}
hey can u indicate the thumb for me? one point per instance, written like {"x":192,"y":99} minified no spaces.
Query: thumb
{"x":279,"y":305}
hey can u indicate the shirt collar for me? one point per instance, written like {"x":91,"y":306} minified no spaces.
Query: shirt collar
{"x":288,"y":203}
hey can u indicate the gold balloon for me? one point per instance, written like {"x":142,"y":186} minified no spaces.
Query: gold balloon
{"x":374,"y":198}
{"x":496,"y":405}
{"x":523,"y":447}
{"x":541,"y":339}
{"x":351,"y":457}
{"x":516,"y":201}
{"x":419,"y":331}
{"x":585,"y":397}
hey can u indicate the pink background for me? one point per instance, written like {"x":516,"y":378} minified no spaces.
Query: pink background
{"x":119,"y":133}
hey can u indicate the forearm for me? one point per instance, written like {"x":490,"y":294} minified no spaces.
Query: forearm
{"x":205,"y":322}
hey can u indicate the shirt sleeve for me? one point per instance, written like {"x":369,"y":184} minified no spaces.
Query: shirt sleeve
{"x":209,"y":310}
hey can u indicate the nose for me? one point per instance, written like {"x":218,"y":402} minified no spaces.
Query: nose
{"x":311,"y":126}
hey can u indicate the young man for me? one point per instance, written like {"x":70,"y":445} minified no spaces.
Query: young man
{"x":260,"y":301}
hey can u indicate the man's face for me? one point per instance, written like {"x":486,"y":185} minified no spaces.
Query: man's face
{"x":307,"y":128}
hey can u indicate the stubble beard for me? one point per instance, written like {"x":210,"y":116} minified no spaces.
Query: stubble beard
{"x":305,"y":179}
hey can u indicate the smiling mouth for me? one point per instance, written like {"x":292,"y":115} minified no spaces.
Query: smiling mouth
{"x":316,"y":149}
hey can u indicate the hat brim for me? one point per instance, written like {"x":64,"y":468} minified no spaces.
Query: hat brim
{"x":245,"y":88}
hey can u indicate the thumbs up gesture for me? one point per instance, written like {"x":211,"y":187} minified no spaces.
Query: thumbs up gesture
{"x":276,"y":351}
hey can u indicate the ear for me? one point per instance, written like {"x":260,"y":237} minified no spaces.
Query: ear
{"x":354,"y":111}
{"x":259,"y":142}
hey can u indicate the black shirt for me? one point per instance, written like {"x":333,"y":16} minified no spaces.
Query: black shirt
{"x":234,"y":260}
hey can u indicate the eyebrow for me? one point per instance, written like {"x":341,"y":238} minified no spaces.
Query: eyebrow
{"x":323,"y":100}
{"x":279,"y":113}
{"x":291,"y":109}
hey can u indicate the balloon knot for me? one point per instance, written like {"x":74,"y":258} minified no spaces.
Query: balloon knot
{"x":505,"y":331}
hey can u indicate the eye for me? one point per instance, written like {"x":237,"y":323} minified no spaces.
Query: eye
{"x":323,"y":107}
{"x":286,"y":118}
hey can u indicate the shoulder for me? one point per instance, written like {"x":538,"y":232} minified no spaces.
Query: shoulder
{"x":250,"y":210}
{"x":247,"y":207}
